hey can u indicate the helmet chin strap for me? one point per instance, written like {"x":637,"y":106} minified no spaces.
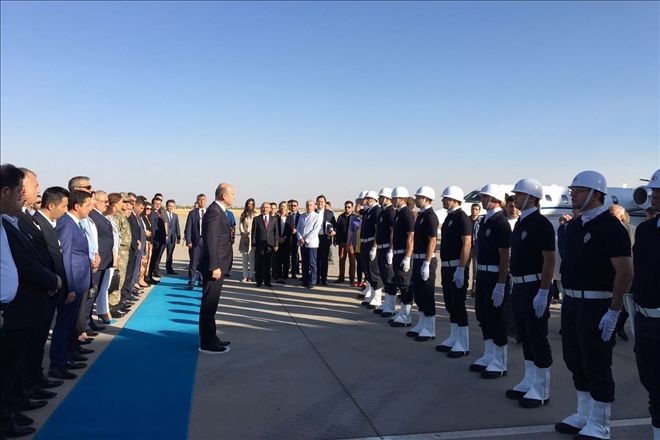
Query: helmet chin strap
{"x":524,"y":205}
{"x":587,"y":200}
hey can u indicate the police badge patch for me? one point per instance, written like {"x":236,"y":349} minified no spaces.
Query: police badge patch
{"x":523,"y":235}
{"x":587,"y":237}
{"x":488,"y":232}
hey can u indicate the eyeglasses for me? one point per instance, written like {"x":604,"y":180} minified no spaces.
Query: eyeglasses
{"x":88,"y":187}
{"x":147,"y":209}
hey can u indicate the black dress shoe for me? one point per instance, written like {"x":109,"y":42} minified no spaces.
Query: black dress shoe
{"x":565,"y":428}
{"x":22,"y":420}
{"x":92,"y":334}
{"x":396,"y":324}
{"x":268,"y":285}
{"x":76,"y":357}
{"x":443,"y":348}
{"x":39,"y":394}
{"x":492,"y":374}
{"x":514,"y":394}
{"x":46,"y":383}
{"x":385,"y":314}
{"x":532,"y":403}
{"x":223,"y":343}
{"x":171,"y":272}
{"x":74,"y":365}
{"x":62,"y":373}
{"x":11,"y":429}
{"x":94,"y":326}
{"x":214,"y":349}
{"x":476,"y":368}
{"x":83,"y":350}
{"x":31,"y":405}
{"x":457,"y":354}
{"x":116,"y":314}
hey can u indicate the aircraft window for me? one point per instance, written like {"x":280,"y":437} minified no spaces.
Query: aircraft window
{"x":548,"y":197}
{"x":564,"y":199}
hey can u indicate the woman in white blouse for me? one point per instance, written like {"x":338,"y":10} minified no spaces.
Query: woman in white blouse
{"x":245,"y":245}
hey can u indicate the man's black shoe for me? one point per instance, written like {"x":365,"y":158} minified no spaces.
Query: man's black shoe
{"x":69,"y":365}
{"x":214,"y":349}
{"x":116,"y":314}
{"x":565,"y":428}
{"x":190,"y":286}
{"x":62,"y":373}
{"x":22,"y":420}
{"x":268,"y":285}
{"x":223,"y":343}
{"x":94,"y":326}
{"x":31,"y":405}
{"x":92,"y":334}
{"x":39,"y":394}
{"x":13,"y":429}
{"x":76,"y":357}
{"x":171,"y":272}
{"x":83,"y":350}
{"x":45,"y":383}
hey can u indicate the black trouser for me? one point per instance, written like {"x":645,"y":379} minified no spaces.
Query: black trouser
{"x":424,"y":291}
{"x":587,"y":356}
{"x":454,"y":297}
{"x":386,"y":271}
{"x":402,"y":279}
{"x":262,"y":264}
{"x":169,"y":255}
{"x":194,"y":255}
{"x":13,"y":345}
{"x":532,"y":331}
{"x":371,"y":272}
{"x":359,"y":268}
{"x":491,"y":319}
{"x":281,"y":262}
{"x":156,"y":255}
{"x":97,"y":280}
{"x":34,"y":353}
{"x":208,"y":309}
{"x":322,"y":256}
{"x":647,"y":352}
{"x":130,"y":268}
{"x":295,"y":260}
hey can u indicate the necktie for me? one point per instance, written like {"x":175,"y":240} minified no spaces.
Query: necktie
{"x":201,"y":214}
{"x":266,"y":221}
{"x":81,"y":227}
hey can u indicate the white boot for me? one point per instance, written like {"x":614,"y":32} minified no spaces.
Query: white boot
{"x":368,"y":294}
{"x":497,"y":367}
{"x":462,"y":345}
{"x":656,"y":433}
{"x":539,"y":393}
{"x":449,"y":342}
{"x":481,"y":363}
{"x":389,"y":306}
{"x":598,"y":424}
{"x":573,"y":423}
{"x":376,"y":300}
{"x":402,"y":319}
{"x":414,"y":332}
{"x":518,"y":391}
{"x":428,"y":332}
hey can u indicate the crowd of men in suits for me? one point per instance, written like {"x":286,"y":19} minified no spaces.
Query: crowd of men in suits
{"x":67,"y":254}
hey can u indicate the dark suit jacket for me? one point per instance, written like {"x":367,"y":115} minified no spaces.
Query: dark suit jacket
{"x":217,"y":250}
{"x":50,"y":235}
{"x":174,"y":231}
{"x":264,"y":238}
{"x":191,"y":230}
{"x":29,"y":227}
{"x":75,"y":254}
{"x":157,"y":227}
{"x":328,"y":217}
{"x":30,"y":306}
{"x":137,"y":232}
{"x":106,"y":240}
{"x":284,"y":231}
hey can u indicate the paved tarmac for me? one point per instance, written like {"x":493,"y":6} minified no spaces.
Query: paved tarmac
{"x":314,"y":364}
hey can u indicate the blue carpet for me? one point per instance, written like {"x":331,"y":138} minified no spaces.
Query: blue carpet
{"x":141,"y":386}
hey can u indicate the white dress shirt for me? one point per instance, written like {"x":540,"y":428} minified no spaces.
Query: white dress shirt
{"x":8,"y":272}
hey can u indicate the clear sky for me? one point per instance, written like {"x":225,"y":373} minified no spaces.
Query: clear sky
{"x":295,"y":99}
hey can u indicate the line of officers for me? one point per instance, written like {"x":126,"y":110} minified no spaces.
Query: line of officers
{"x":398,"y":255}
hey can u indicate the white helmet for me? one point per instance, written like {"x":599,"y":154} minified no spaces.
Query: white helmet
{"x":371,"y":195}
{"x":385,"y":192}
{"x":591,"y":180}
{"x":400,"y":192}
{"x":361,"y":195}
{"x":655,"y":180}
{"x":494,"y":191}
{"x":453,"y":192}
{"x":425,"y":191}
{"x":529,"y":186}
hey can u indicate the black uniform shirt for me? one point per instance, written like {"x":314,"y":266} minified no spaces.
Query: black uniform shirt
{"x":385,"y":223}
{"x":343,"y":221}
{"x":586,"y":264}
{"x":646,"y":258}
{"x":426,"y":227}
{"x":456,"y":225}
{"x":404,"y":222}
{"x":531,"y":236}
{"x":369,"y":222}
{"x":493,"y":235}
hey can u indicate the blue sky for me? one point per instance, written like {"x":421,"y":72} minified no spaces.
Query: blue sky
{"x":299,"y":98}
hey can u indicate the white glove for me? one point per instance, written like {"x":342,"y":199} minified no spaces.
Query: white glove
{"x":372,"y":253}
{"x":608,"y":324}
{"x":426,"y":270}
{"x":405,"y":264}
{"x":459,"y":277}
{"x":498,"y":295}
{"x":540,"y":302}
{"x":389,"y":257}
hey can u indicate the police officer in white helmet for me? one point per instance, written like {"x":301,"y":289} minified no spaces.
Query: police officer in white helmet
{"x":384,"y":254}
{"x":368,"y":251}
{"x":596,"y":272}
{"x":532,"y":267}
{"x":494,"y":239}
{"x":424,"y":265}
{"x":359,"y":211}
{"x":403,"y":235}
{"x":455,"y":250}
{"x":646,"y":295}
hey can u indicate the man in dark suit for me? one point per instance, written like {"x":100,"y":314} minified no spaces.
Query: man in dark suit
{"x":193,"y":238}
{"x":217,"y":256}
{"x":23,"y":304}
{"x":295,"y":252}
{"x":264,"y":239}
{"x":105,"y":245}
{"x":77,"y":265}
{"x":138,"y":246}
{"x":328,"y":230}
{"x":285,"y":228}
{"x":159,"y":238}
{"x":173,"y":234}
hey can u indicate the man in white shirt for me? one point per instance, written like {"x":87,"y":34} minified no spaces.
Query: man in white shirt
{"x":309,"y":226}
